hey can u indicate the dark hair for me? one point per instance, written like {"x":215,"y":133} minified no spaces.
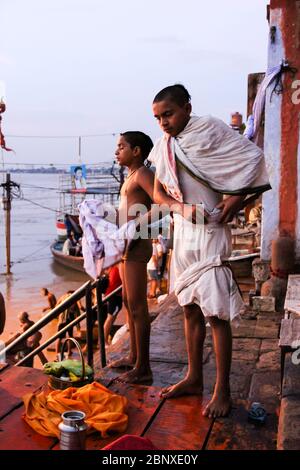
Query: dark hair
{"x":139,"y":139}
{"x":176,"y":93}
{"x":45,"y":290}
{"x":77,"y":168}
{"x":23,"y":317}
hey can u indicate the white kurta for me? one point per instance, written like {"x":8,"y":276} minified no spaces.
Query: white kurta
{"x":199,"y":252}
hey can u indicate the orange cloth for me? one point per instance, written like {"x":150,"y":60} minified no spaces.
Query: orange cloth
{"x":105,"y":411}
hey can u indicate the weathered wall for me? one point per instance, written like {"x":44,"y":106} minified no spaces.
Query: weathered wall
{"x":281,"y":210}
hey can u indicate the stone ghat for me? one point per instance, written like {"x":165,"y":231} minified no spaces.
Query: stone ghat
{"x":255,"y":372}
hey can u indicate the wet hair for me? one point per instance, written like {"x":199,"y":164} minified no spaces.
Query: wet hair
{"x":23,"y":317}
{"x":139,"y":139}
{"x":176,"y":93}
{"x":45,"y":290}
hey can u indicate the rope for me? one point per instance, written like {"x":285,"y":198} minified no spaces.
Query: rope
{"x":39,"y":205}
{"x":21,"y":260}
{"x":38,"y":187}
{"x":31,"y":260}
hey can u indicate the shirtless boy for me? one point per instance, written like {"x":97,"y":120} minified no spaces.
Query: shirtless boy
{"x":137,"y":192}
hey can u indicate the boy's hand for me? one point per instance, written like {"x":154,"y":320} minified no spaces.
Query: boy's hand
{"x":195,"y":213}
{"x":230,"y":206}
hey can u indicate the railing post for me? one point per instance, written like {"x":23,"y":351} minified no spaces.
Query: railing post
{"x":100,"y":318}
{"x":89,"y":326}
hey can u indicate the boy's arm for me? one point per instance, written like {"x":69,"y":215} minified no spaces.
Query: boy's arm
{"x":230,"y":206}
{"x":162,"y":198}
{"x":188,"y":211}
{"x":145,"y":179}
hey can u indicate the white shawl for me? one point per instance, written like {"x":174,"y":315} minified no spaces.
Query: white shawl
{"x":103,"y":242}
{"x":214,"y":154}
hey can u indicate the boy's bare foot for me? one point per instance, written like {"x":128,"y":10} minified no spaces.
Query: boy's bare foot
{"x":219,"y":406}
{"x":184,"y":387}
{"x":136,"y":376}
{"x":122,"y":363}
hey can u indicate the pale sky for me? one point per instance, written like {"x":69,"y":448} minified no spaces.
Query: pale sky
{"x":75,"y":67}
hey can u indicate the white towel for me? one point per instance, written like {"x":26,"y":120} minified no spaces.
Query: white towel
{"x":103,"y":242}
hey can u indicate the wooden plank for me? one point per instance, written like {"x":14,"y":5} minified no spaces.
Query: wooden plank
{"x":15,"y":434}
{"x":16,"y":382}
{"x":142,"y":404}
{"x":179,"y":424}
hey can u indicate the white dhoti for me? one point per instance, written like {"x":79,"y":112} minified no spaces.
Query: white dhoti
{"x":201,"y":276}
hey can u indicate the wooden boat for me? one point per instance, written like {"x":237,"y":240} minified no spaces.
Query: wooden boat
{"x":69,"y":261}
{"x":98,"y":186}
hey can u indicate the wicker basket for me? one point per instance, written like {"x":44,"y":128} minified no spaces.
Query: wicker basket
{"x":59,"y":384}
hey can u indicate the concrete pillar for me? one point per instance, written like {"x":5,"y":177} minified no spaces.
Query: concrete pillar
{"x":281,"y":207}
{"x":281,"y":217}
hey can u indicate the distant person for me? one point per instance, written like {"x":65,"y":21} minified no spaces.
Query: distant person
{"x":50,"y":297}
{"x":164,"y":256}
{"x":25,"y":347}
{"x":255,"y":215}
{"x":153,"y":270}
{"x":114,"y":304}
{"x":69,"y":246}
{"x":72,"y":227}
{"x":68,"y":224}
{"x":66,"y":317}
{"x":78,"y":248}
{"x":79,"y":179}
{"x":2,"y":313}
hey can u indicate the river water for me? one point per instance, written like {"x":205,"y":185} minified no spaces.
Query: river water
{"x":33,"y":230}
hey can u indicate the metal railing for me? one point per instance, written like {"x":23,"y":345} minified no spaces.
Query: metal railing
{"x":89,"y":315}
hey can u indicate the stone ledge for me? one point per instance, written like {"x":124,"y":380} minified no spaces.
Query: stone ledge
{"x":291,"y":378}
{"x":265,"y":388}
{"x":269,"y":361}
{"x":289,"y":424}
{"x":263,"y":303}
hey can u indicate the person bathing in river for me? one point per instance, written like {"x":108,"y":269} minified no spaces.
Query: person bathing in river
{"x":50,"y":298}
{"x":132,"y":150}
{"x":25,"y":347}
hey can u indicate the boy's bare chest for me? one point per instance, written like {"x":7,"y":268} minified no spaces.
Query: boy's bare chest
{"x":130,"y":188}
{"x":132,"y":193}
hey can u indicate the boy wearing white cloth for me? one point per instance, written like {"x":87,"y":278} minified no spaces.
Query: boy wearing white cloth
{"x":197,"y":161}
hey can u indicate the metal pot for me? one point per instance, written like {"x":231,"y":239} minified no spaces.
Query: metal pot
{"x":72,"y":430}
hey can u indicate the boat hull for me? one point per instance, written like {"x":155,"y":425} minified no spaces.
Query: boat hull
{"x":71,"y":262}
